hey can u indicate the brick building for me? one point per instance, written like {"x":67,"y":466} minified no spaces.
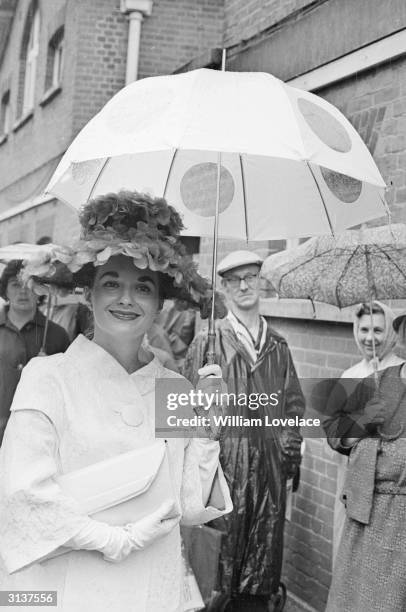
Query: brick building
{"x":61,"y":61}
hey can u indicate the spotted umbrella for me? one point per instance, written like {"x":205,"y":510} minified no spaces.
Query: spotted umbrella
{"x":242,"y":152}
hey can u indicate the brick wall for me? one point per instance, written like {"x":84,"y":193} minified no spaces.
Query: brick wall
{"x":101,"y":52}
{"x":53,"y":219}
{"x":375,"y":102}
{"x":95,"y":51}
{"x":47,"y":133}
{"x":246,"y":18}
{"x":319,"y":350}
{"x":178,"y":31}
{"x":66,"y":228}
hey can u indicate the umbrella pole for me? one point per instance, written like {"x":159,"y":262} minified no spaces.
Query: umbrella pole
{"x":211,"y":349}
{"x":374,"y":359}
{"x":372,"y":286}
{"x":211,"y":352}
{"x":47,"y":317}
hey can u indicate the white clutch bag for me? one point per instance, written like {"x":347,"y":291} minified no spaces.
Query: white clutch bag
{"x":124,"y":488}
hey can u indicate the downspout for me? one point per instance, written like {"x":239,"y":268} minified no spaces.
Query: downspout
{"x":135,"y":10}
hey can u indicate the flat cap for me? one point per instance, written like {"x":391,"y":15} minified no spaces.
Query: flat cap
{"x":237,"y":259}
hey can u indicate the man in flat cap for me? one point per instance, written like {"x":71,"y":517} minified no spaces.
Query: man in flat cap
{"x":258,"y":460}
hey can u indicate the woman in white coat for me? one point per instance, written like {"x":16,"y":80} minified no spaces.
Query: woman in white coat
{"x":95,"y":402}
{"x":380,"y":331}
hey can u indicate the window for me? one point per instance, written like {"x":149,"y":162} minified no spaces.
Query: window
{"x":29,"y":60}
{"x":31,"y":64}
{"x":5,"y":113}
{"x":54,"y":69}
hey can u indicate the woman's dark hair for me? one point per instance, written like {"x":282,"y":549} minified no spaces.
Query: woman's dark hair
{"x":365,"y":309}
{"x":86,"y":275}
{"x":12,"y":269}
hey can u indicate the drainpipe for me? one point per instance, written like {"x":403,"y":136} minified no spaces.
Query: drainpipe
{"x":135,"y":10}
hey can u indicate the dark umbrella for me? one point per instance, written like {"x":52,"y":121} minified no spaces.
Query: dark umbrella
{"x":354,"y":266}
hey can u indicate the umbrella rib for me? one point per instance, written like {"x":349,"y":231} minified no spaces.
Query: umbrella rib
{"x":341,"y":277}
{"x":169,"y":172}
{"x":387,"y":209}
{"x":369,"y":272}
{"x":98,"y":179}
{"x":301,"y":264}
{"x":388,"y":257}
{"x":244,"y":195}
{"x":321,"y":196}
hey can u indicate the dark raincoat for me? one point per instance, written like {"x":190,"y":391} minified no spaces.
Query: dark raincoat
{"x":254,"y":465}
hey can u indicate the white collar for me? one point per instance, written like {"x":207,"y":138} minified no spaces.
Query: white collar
{"x":90,"y":355}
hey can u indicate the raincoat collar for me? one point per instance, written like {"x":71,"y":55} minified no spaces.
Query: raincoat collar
{"x":271,"y":341}
{"x":246,"y":338}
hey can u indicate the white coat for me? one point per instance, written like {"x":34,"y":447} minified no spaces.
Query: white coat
{"x":71,"y":410}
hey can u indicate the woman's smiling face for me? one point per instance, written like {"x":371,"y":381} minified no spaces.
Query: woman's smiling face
{"x":125,"y":299}
{"x":370,"y":333}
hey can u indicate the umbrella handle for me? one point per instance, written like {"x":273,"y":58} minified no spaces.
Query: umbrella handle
{"x":211,"y":353}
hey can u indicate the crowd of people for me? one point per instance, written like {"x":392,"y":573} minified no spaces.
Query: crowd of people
{"x":81,"y":393}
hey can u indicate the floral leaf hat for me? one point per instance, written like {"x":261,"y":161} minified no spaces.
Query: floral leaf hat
{"x":139,"y":226}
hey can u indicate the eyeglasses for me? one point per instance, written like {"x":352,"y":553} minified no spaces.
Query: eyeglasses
{"x":250,"y":280}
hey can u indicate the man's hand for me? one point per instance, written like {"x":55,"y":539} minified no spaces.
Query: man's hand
{"x":291,"y":443}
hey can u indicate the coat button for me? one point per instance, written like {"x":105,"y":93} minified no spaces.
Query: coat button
{"x":20,"y":367}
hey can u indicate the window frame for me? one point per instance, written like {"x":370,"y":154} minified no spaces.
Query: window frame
{"x":31,"y":62}
{"x":5,"y":114}
{"x":55,"y":61}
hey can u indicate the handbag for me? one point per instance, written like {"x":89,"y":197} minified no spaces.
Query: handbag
{"x":122,"y":489}
{"x":125,"y":488}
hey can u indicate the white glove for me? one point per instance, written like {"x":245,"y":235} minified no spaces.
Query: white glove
{"x":210,"y":370}
{"x":156,"y":525}
{"x":116,"y":543}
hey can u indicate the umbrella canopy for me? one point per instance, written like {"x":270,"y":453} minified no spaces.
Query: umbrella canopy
{"x":352,"y":267}
{"x":61,"y":278}
{"x":289,"y":163}
{"x":35,"y":254}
